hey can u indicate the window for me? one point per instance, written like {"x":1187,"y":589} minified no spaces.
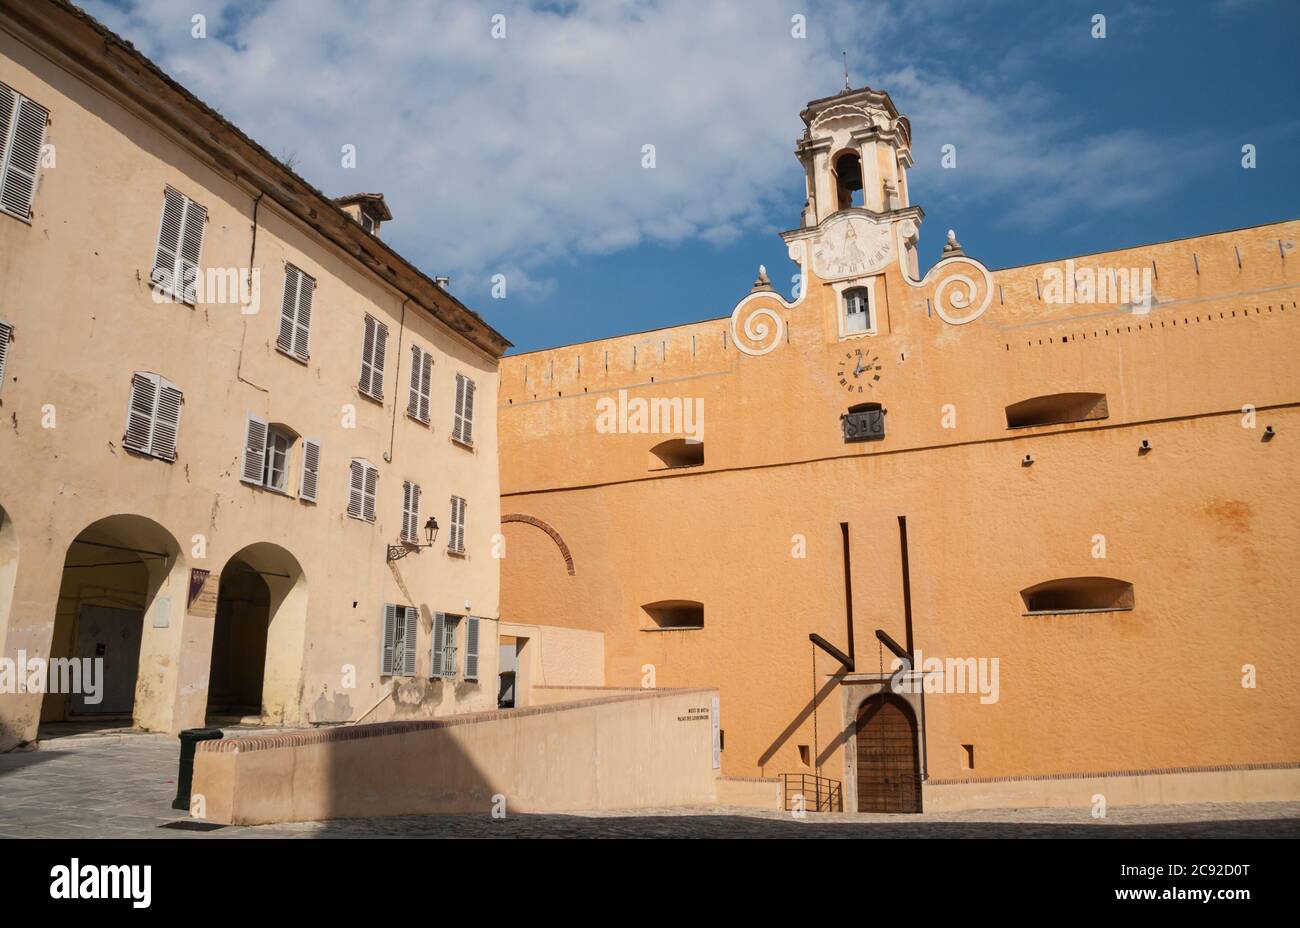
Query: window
{"x":1057,"y":408}
{"x":1078,"y":594}
{"x":295,"y":313}
{"x":417,"y":406}
{"x":397,"y":657}
{"x":368,"y":222}
{"x":442,"y":650}
{"x":6,"y":336}
{"x":848,"y":180}
{"x":374,"y":345}
{"x":410,"y":512}
{"x":22,"y":135}
{"x":267,"y":449}
{"x":677,"y":452}
{"x":180,"y":244}
{"x":673,"y":613}
{"x":463,"y":419}
{"x":361,"y":490}
{"x":456,"y":537}
{"x":153,"y":416}
{"x":857,"y":311}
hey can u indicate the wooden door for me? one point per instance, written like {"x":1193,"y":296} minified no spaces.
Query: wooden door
{"x":889,"y":774}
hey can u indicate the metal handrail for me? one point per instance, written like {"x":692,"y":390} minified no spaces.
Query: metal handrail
{"x":827,"y":795}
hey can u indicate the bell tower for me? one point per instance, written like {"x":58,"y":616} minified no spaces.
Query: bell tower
{"x":855,"y":151}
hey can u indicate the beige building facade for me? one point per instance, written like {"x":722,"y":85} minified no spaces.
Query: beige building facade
{"x":231,"y":416}
{"x":1060,"y":492}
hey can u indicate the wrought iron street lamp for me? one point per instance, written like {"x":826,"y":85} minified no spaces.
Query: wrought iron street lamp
{"x":397,"y":552}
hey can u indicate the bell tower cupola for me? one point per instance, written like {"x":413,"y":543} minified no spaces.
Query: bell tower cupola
{"x":855,"y":151}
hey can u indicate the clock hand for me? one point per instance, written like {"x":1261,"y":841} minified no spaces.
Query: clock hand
{"x":857,"y":371}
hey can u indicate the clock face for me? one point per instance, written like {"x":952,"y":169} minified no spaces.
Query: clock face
{"x":859,"y":371}
{"x":850,"y":246}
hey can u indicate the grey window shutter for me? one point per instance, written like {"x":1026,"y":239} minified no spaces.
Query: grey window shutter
{"x":169,"y":241}
{"x":458,"y":414}
{"x":288,"y":308}
{"x":471,"y":647}
{"x":436,"y":645}
{"x":367,"y":352}
{"x":373,"y":352}
{"x":357,"y":490}
{"x":191,"y":250}
{"x":381,"y":347}
{"x":6,"y":335}
{"x":254,"y":467}
{"x":410,"y":511}
{"x":167,"y":421}
{"x":140,"y":412}
{"x":412,"y":629}
{"x":20,"y":152}
{"x":310,"y":477}
{"x":372,"y":485}
{"x":467,"y":431}
{"x":389,"y":642}
{"x":302,"y":326}
{"x":8,"y":104}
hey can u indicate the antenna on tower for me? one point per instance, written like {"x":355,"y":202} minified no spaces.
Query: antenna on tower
{"x":845,"y":53}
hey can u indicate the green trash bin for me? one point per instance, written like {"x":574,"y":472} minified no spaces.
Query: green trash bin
{"x":185,"y":777}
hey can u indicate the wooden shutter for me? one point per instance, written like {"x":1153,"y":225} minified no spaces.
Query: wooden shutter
{"x":288,"y":308}
{"x":166,"y":257}
{"x":167,"y":421}
{"x":436,"y":646}
{"x":456,"y":541}
{"x":389,"y":640}
{"x":412,"y":630}
{"x":410,"y":511}
{"x":254,"y":467}
{"x":373,"y":351}
{"x":372,"y":485}
{"x":140,"y":412}
{"x":471,"y":647}
{"x":458,"y":414}
{"x":21,"y":136}
{"x":6,"y":335}
{"x":357,"y":489}
{"x":426,"y":385}
{"x":302,"y":328}
{"x":191,"y":249}
{"x":467,"y":430}
{"x":310,"y":477}
{"x":417,"y":405}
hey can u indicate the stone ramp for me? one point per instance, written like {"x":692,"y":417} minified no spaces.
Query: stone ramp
{"x":621,"y":750}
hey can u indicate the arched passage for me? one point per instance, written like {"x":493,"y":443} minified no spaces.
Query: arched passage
{"x":121,"y":598}
{"x":889,"y":771}
{"x":258,"y":637}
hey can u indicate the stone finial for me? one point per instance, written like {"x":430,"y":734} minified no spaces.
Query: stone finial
{"x":952,"y":246}
{"x":762,"y":283}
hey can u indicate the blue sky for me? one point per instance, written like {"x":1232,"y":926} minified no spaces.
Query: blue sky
{"x":521,"y":155}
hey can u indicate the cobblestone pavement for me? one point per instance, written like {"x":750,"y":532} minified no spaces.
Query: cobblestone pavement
{"x":123,"y":788}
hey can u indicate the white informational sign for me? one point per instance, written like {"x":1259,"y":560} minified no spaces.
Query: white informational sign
{"x":716,"y":721}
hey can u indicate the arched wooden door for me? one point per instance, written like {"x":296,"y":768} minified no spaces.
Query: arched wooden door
{"x":889,"y":773}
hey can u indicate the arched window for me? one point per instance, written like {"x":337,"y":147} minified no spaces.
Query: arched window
{"x":677,"y":452}
{"x":1078,"y":594}
{"x":673,"y":613}
{"x":848,"y":180}
{"x":1057,"y":408}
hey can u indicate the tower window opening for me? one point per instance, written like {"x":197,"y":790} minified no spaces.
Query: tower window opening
{"x":848,"y":180}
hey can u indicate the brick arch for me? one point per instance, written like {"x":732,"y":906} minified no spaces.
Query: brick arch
{"x":548,"y":529}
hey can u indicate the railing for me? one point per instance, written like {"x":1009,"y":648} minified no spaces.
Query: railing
{"x":819,"y":794}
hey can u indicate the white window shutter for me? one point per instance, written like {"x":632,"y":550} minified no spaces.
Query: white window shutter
{"x":373,"y":351}
{"x":372,"y":485}
{"x":357,"y":489}
{"x":166,"y":257}
{"x":458,"y":414}
{"x":254,"y":467}
{"x":302,"y":329}
{"x":140,"y":412}
{"x":471,"y":647}
{"x":310,"y":477}
{"x":412,"y":630}
{"x":436,"y":645}
{"x":389,"y":642}
{"x":467,"y":431}
{"x":191,"y":249}
{"x":410,"y":511}
{"x":426,"y":385}
{"x":381,"y":348}
{"x":167,"y":421}
{"x":288,"y":308}
{"x":413,"y":401}
{"x":6,"y":335}
{"x":20,"y":151}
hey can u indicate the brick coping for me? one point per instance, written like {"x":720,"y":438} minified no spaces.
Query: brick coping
{"x":384,"y":729}
{"x":1099,"y":774}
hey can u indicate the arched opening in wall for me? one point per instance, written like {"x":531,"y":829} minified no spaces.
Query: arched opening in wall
{"x":1078,"y":594}
{"x":669,"y":614}
{"x":848,"y":180}
{"x":677,"y":452}
{"x":8,"y":569}
{"x":887,"y":755}
{"x":1057,"y":408}
{"x":258,"y":638}
{"x":110,"y":660}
